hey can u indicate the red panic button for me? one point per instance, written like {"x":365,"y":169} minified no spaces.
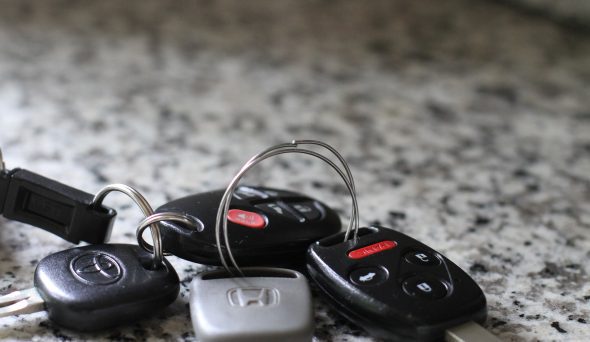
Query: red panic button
{"x":246,"y":218}
{"x":372,"y":249}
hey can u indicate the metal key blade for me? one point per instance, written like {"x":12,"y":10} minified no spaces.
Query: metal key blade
{"x":469,"y":331}
{"x":21,"y":302}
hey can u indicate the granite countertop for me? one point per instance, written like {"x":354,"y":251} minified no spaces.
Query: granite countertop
{"x":466,"y":124}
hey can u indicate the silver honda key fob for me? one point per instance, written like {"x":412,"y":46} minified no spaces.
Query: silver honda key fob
{"x":267,"y":304}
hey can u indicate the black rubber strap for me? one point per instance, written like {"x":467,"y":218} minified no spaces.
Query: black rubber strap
{"x":62,"y":210}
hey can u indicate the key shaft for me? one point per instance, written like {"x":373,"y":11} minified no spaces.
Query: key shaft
{"x":469,"y":332}
{"x":21,"y":302}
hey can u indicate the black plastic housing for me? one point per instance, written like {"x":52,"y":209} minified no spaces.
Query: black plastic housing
{"x":283,"y":242}
{"x":98,"y":287}
{"x":57,"y":208}
{"x":385,"y":310}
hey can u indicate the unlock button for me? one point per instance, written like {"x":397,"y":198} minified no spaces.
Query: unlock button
{"x":421,"y":258}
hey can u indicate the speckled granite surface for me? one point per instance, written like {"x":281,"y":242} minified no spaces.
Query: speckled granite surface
{"x":568,"y":12}
{"x":466,"y":125}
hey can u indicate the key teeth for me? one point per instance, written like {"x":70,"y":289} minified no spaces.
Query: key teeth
{"x":21,"y":302}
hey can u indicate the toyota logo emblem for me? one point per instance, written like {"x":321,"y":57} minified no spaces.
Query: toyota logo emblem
{"x":96,"y":268}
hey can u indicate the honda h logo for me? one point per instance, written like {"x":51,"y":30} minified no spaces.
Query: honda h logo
{"x":253,"y":296}
{"x":96,"y":268}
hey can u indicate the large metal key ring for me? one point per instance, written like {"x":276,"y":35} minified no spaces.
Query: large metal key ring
{"x":292,"y":147}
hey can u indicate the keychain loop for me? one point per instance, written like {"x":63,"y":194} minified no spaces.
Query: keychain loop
{"x":156,"y":218}
{"x":152,"y":220}
{"x":292,"y":147}
{"x":145,"y":207}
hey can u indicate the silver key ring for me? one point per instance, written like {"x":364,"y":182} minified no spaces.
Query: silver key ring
{"x":348,"y":180}
{"x":292,"y":147}
{"x":152,"y":220}
{"x":145,"y":207}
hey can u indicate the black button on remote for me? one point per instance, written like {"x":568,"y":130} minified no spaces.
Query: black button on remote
{"x":263,"y":229}
{"x":367,"y":276}
{"x":422,"y":258}
{"x":277,"y":208}
{"x":411,"y":302}
{"x":425,"y":287}
{"x":307,"y":209}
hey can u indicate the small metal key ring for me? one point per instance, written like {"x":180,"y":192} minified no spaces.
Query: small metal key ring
{"x":150,"y":221}
{"x":292,"y":147}
{"x":145,"y":207}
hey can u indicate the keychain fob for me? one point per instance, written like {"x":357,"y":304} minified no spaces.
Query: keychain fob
{"x":266,"y":304}
{"x":55,"y":207}
{"x":268,"y":227}
{"x":394,"y":286}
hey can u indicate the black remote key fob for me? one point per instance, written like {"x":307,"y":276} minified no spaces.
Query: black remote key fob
{"x":394,"y":286}
{"x":267,"y":227}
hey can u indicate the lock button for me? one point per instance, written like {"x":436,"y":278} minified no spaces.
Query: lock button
{"x":425,"y":287}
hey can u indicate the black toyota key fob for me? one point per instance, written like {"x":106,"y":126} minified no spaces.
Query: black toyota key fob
{"x":394,"y":286}
{"x":96,"y":287}
{"x":267,"y":227}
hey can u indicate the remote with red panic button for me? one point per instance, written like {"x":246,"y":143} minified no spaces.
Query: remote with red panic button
{"x":397,"y":288}
{"x":267,"y":227}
